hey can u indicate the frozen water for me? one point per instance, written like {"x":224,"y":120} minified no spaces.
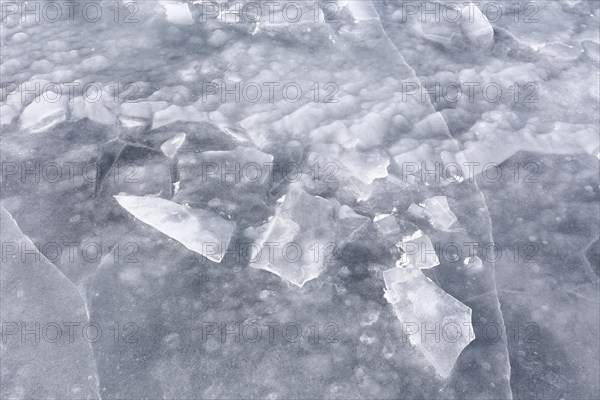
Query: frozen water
{"x":418,"y":250}
{"x":435,"y":322}
{"x":170,"y":147}
{"x":44,"y":112}
{"x":476,"y":27}
{"x":360,"y":10}
{"x":297,"y":244}
{"x":198,"y":230}
{"x":178,"y":12}
{"x":364,"y":147}
{"x":437,"y":211}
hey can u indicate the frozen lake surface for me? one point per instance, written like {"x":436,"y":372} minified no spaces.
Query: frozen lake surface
{"x":349,"y":199}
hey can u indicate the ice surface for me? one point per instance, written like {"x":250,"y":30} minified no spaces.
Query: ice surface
{"x":435,"y":322}
{"x":129,"y":168}
{"x":368,"y":133}
{"x":198,"y":230}
{"x":301,"y":235}
{"x":360,"y":10}
{"x":39,"y":358}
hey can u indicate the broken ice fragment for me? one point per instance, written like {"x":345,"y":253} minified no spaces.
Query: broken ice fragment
{"x":418,"y":250}
{"x":476,"y":27}
{"x":366,"y":166}
{"x":170,"y":147}
{"x":132,"y":169}
{"x":200,"y":231}
{"x":437,"y":210}
{"x":349,"y":225}
{"x":360,"y":10}
{"x":416,"y":211}
{"x":178,"y":13}
{"x":299,"y":241}
{"x":44,"y":112}
{"x":435,"y":322}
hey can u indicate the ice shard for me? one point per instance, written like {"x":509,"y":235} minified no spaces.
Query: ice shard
{"x":171,"y":146}
{"x":418,"y":250}
{"x":424,"y":309}
{"x":476,"y":27}
{"x":437,"y":210}
{"x":44,"y":112}
{"x":177,"y":12}
{"x":39,"y":358}
{"x":200,"y":231}
{"x":298,"y":242}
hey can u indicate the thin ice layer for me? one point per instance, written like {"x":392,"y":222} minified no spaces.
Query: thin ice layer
{"x":39,"y":308}
{"x":200,"y":231}
{"x":435,"y":322}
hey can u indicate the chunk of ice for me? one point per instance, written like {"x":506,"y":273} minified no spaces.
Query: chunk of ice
{"x":360,"y":10}
{"x":36,"y":291}
{"x":438,"y":212}
{"x":416,"y":211}
{"x":44,"y":112}
{"x":476,"y":27}
{"x":177,"y":12}
{"x":200,"y":231}
{"x":298,"y":241}
{"x":387,"y":226}
{"x":422,"y":306}
{"x":418,"y":250}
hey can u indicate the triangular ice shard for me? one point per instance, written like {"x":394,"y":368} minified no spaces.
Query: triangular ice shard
{"x":200,"y":231}
{"x":298,"y":242}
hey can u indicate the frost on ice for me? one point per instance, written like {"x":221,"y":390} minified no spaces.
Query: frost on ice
{"x":295,"y":244}
{"x":200,"y":231}
{"x":420,"y":304}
